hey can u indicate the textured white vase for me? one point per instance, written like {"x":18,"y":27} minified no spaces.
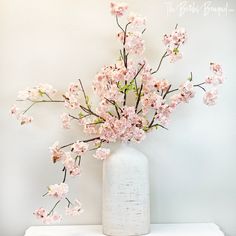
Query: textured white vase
{"x":126,"y":202}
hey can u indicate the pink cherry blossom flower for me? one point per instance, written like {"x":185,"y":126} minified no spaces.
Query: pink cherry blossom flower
{"x":118,"y":9}
{"x":167,"y":39}
{"x":136,"y":20}
{"x":46,"y":89}
{"x":14,"y":110}
{"x":53,"y":218}
{"x":66,"y":120}
{"x":214,"y":80}
{"x":36,"y":92}
{"x":151,"y":100}
{"x":174,"y":54}
{"x":162,"y":85}
{"x":216,"y":69}
{"x":105,"y":83}
{"x":138,"y":134}
{"x":56,"y":152}
{"x":58,"y":190}
{"x":80,"y":147}
{"x":23,"y":94}
{"x":25,"y":119}
{"x":134,"y":43}
{"x":40,"y":213}
{"x":210,"y":97}
{"x":70,"y":165}
{"x":74,"y":88}
{"x":74,"y":210}
{"x":177,"y":38}
{"x":186,"y":91}
{"x":90,"y":128}
{"x":102,"y":153}
{"x":175,"y":100}
{"x":72,"y":96}
{"x":163,"y":114}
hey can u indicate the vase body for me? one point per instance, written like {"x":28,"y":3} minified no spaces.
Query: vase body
{"x":126,"y":201}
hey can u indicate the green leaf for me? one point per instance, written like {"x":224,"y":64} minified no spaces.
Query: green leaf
{"x":87,"y":100}
{"x":176,"y":50}
{"x":98,"y":120}
{"x":81,"y":115}
{"x":41,"y":93}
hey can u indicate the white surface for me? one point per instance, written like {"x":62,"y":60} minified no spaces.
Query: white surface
{"x":192,"y":165}
{"x":156,"y":230}
{"x":126,"y":200}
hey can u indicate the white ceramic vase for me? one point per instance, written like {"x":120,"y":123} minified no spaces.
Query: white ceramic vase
{"x":126,"y":201}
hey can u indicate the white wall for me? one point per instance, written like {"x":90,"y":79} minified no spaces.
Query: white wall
{"x":193,"y":165}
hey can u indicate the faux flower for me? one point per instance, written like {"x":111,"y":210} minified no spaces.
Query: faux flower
{"x":136,"y":20}
{"x":25,"y":119}
{"x":75,"y":209}
{"x":66,"y":121}
{"x":40,"y":213}
{"x":186,"y":91}
{"x":118,"y":9}
{"x":102,"y":153}
{"x":58,"y":190}
{"x":210,"y":97}
{"x":71,"y":165}
{"x":216,"y":68}
{"x":56,"y":152}
{"x":14,"y":110}
{"x":80,"y":147}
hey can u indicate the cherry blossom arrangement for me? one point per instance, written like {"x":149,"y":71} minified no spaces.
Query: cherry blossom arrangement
{"x":133,"y":101}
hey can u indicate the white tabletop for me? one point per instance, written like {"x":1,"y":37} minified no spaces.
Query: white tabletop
{"x":202,"y":229}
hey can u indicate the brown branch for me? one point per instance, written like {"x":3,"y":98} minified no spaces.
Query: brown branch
{"x":139,"y":97}
{"x":159,"y":65}
{"x":85,"y":141}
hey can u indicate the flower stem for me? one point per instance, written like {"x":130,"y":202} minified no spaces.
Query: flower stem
{"x":54,"y":207}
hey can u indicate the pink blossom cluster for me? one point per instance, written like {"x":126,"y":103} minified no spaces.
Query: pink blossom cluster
{"x":58,"y":190}
{"x":70,"y":164}
{"x":136,"y":20}
{"x":215,"y":79}
{"x":47,"y":218}
{"x":80,"y":147}
{"x":66,"y":158}
{"x":118,"y":9}
{"x":75,"y":209}
{"x":102,"y":153}
{"x":72,"y":96}
{"x":134,"y":43}
{"x":20,"y":116}
{"x":37,"y":92}
{"x":173,"y":41}
{"x":66,"y":121}
{"x":105,"y":83}
{"x":129,"y":127}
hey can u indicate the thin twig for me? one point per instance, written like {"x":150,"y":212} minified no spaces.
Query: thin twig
{"x":54,"y":207}
{"x":159,"y":65}
{"x":158,"y":125}
{"x":138,"y":99}
{"x":69,"y":202}
{"x":167,"y":91}
{"x":85,"y":141}
{"x":64,"y":178}
{"x":88,"y":110}
{"x":36,"y":102}
{"x":85,"y":97}
{"x":117,"y":21}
